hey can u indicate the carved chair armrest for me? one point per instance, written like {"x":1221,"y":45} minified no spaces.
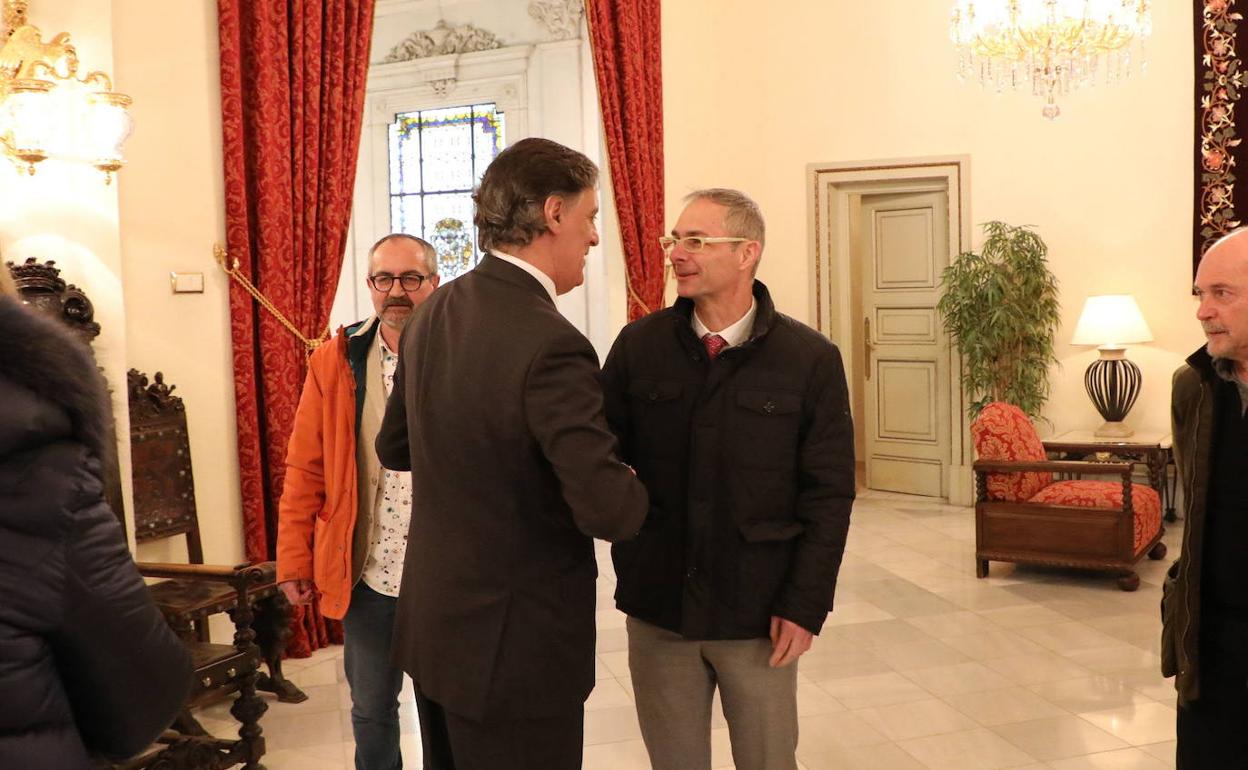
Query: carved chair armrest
{"x":1078,"y":467}
{"x":1055,"y":466}
{"x":248,"y":575}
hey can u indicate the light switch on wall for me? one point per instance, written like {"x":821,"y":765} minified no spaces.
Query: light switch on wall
{"x":187,"y":283}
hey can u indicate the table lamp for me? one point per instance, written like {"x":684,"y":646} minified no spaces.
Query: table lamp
{"x":1111,"y":322}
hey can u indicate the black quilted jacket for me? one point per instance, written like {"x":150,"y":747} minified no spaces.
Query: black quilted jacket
{"x":87,"y":665}
{"x":750,"y":460}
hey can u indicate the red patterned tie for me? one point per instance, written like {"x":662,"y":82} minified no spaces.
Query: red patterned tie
{"x":714,"y":344}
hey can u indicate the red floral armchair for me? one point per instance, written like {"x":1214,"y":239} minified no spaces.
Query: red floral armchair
{"x":1024,"y":515}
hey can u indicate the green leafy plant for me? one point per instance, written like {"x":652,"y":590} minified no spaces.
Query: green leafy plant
{"x":1001,"y":308}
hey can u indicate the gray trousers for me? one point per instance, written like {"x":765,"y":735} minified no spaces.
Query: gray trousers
{"x":674,"y":683}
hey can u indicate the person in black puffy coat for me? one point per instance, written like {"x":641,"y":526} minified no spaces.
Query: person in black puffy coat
{"x":88,"y":667}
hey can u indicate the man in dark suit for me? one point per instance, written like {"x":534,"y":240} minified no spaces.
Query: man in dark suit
{"x":498,"y":413}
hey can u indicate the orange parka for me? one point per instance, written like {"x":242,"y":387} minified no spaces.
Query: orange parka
{"x":319,"y":505}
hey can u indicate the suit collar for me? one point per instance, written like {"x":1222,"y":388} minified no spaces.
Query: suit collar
{"x":542,"y":278}
{"x":517,"y":276}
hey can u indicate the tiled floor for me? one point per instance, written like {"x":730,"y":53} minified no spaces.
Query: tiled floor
{"x":921,"y":666}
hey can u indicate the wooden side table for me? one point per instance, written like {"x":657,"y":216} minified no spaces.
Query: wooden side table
{"x":1152,"y":450}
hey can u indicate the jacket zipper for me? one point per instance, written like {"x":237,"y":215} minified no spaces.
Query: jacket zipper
{"x":1187,"y":565}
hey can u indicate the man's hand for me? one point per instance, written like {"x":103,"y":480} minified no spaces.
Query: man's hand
{"x":788,"y":641}
{"x":302,"y":591}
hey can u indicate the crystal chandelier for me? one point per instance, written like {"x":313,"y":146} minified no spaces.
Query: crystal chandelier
{"x":47,"y":110}
{"x":1053,"y":46}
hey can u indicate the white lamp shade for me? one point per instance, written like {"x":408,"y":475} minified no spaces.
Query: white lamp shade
{"x":1111,"y":321}
{"x":28,"y":115}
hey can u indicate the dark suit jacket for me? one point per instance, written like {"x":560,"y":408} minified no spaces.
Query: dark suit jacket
{"x":513,"y":472}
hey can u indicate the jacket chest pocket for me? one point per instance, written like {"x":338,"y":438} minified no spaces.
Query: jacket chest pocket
{"x":658,"y":420}
{"x":765,"y":428}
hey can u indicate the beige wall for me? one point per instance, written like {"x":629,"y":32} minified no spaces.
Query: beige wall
{"x":172,"y":212}
{"x":67,"y":214}
{"x":751,"y":95}
{"x":163,"y":212}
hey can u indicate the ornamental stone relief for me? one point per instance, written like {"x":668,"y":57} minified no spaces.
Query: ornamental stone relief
{"x":442,"y":86}
{"x":561,"y":18}
{"x":443,"y":40}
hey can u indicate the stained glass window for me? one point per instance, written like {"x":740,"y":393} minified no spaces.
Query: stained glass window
{"x":437,"y":157}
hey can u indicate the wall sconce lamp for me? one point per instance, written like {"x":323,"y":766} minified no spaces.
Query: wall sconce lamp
{"x":47,"y":110}
{"x":1112,"y":321}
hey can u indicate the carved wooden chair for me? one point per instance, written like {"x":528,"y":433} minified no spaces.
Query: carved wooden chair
{"x":221,"y":670}
{"x":42,"y":288}
{"x":164,"y":507}
{"x":1024,"y":515}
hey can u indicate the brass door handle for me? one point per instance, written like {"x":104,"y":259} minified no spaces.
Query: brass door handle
{"x":866,"y":344}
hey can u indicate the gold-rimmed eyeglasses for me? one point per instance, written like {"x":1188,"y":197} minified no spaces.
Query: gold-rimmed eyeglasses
{"x":407,"y":281}
{"x":695,"y":243}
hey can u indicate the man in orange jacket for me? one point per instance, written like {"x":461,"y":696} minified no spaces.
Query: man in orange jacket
{"x":343,"y":519}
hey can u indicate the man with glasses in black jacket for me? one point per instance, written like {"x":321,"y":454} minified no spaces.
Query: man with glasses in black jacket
{"x":736,"y":418}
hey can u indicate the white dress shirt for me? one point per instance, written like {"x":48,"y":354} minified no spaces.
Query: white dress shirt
{"x":735,"y":334}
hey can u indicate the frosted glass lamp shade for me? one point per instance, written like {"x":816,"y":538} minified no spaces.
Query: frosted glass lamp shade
{"x":107,"y":126}
{"x":25,"y":117}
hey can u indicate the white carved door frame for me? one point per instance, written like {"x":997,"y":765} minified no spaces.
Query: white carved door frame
{"x":546,"y":89}
{"x":498,"y":76}
{"x":832,"y":186}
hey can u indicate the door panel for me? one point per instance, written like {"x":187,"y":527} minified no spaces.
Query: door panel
{"x":905,"y":474}
{"x":906,"y":324}
{"x":903,"y":249}
{"x":908,"y":389}
{"x":904,"y":246}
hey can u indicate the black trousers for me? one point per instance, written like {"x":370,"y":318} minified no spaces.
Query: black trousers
{"x":1213,"y":730}
{"x":454,"y":742}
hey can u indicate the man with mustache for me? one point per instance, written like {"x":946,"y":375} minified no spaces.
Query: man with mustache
{"x":498,"y":399}
{"x":1205,"y":597}
{"x":342,"y":519}
{"x":737,"y":420}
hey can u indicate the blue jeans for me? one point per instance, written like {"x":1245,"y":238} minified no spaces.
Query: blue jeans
{"x":375,"y":682}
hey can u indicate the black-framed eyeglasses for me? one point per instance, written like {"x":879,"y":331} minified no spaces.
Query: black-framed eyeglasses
{"x":407,"y":281}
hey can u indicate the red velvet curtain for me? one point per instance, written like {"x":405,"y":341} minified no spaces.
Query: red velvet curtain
{"x":625,"y":38}
{"x":292,"y":104}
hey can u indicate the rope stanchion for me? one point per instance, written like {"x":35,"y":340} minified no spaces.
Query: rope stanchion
{"x":231,"y":269}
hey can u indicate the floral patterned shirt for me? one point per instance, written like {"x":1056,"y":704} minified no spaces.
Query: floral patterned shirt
{"x":383,"y":569}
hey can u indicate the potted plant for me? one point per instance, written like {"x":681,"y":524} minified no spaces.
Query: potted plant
{"x":1000,"y":306}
